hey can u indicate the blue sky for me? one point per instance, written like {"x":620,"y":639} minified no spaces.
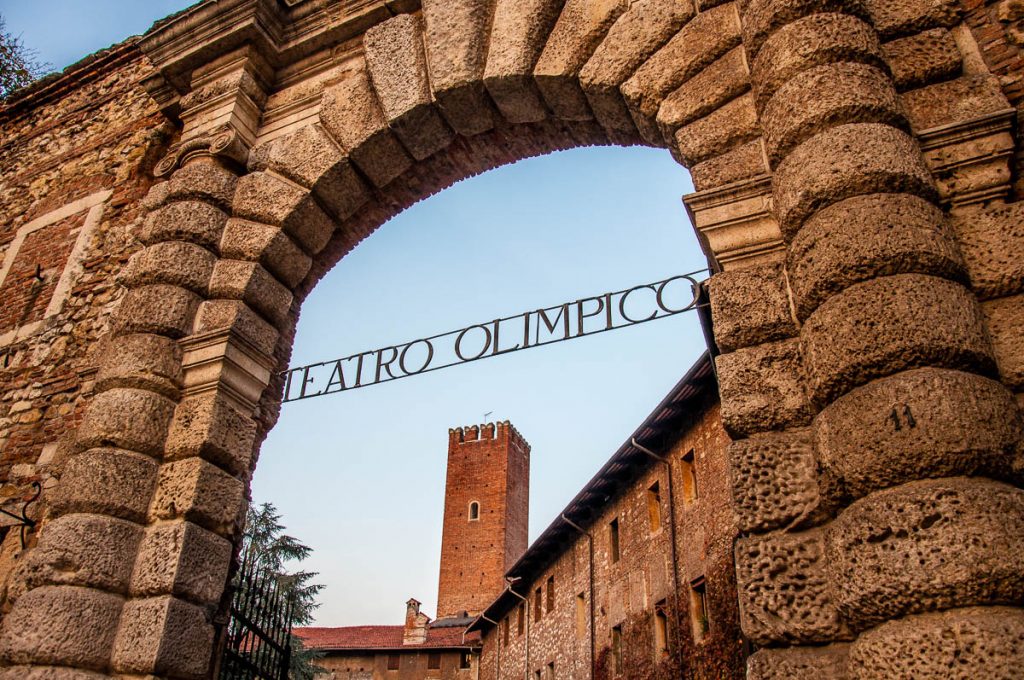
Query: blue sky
{"x":359,"y":476}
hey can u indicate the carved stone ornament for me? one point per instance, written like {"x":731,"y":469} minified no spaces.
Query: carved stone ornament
{"x":221,"y":143}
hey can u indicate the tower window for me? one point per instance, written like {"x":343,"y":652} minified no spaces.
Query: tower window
{"x":617,"y":649}
{"x":660,"y":631}
{"x":504,"y":631}
{"x":474,"y":511}
{"x":550,"y":594}
{"x":654,"y":506}
{"x":538,"y":602}
{"x":581,"y":615}
{"x":613,"y":540}
{"x":699,"y":608}
{"x":689,"y":478}
{"x":520,"y":619}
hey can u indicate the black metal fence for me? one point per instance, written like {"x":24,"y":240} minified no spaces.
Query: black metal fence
{"x":256,"y":641}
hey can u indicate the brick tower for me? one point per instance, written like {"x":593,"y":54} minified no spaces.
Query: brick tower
{"x":486,"y":510}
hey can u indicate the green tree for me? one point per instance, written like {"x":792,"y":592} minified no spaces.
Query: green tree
{"x":19,"y":65}
{"x":266,"y":542}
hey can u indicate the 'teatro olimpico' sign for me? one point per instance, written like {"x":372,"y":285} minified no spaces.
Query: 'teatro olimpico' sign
{"x":586,"y":316}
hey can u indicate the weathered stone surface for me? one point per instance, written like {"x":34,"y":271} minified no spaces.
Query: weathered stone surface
{"x":518,"y":35}
{"x":126,"y":418}
{"x":889,"y":324}
{"x":197,"y":491}
{"x":846,"y":161}
{"x":1004,"y":319}
{"x":183,"y":560}
{"x":577,"y":33}
{"x":456,"y":33}
{"x":701,"y":41}
{"x":235,"y":315}
{"x":141,"y":360}
{"x":254,"y":285}
{"x":961,"y":644}
{"x":270,"y":246}
{"x":352,"y":115}
{"x":174,"y":263}
{"x":729,"y":126}
{"x":398,"y":69}
{"x":923,"y":58}
{"x":713,"y":86}
{"x":762,"y":18}
{"x":210,"y":427}
{"x":927,"y":545}
{"x":160,"y":309}
{"x":107,"y":482}
{"x":203,"y":181}
{"x":191,"y":221}
{"x":800,"y":663}
{"x":896,"y":430}
{"x":953,"y":101}
{"x":635,"y":36}
{"x":163,"y":636}
{"x":751,"y":306}
{"x":743,"y":162}
{"x":825,"y":96}
{"x":901,"y":17}
{"x":762,"y":389}
{"x":48,"y":673}
{"x":784,"y":590}
{"x":156,"y":196}
{"x":992,"y":242}
{"x":61,"y":625}
{"x":311,"y":158}
{"x":812,"y":41}
{"x":270,"y":199}
{"x":868,"y":236}
{"x":774,"y":481}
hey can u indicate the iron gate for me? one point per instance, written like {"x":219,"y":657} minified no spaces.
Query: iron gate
{"x":256,"y":641}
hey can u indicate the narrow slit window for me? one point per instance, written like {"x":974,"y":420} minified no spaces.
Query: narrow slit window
{"x":654,"y":506}
{"x":581,"y":615}
{"x":550,"y":604}
{"x":617,"y":649}
{"x":520,"y":619}
{"x":551,"y":670}
{"x":538,"y":604}
{"x":504,"y":631}
{"x":613,"y":540}
{"x":689,"y":478}
{"x":660,"y":631}
{"x":699,"y":608}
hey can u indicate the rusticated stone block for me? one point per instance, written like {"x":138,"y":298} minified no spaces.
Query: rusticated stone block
{"x":156,"y":196}
{"x":398,"y":69}
{"x":799,"y":663}
{"x":189,"y":221}
{"x":783,"y":588}
{"x":270,"y":246}
{"x":48,"y":673}
{"x":846,"y":161}
{"x":183,"y":560}
{"x":126,"y":418}
{"x":63,"y":626}
{"x":84,"y":550}
{"x":992,"y":241}
{"x":352,"y":115}
{"x":456,"y":34}
{"x":201,"y":493}
{"x":774,"y":481}
{"x":725,"y":128}
{"x":311,"y":158}
{"x":961,"y":644}
{"x":175,"y":263}
{"x":701,"y":41}
{"x":640,"y":32}
{"x":235,"y":315}
{"x":709,"y":89}
{"x":208,"y":426}
{"x":160,"y":309}
{"x":164,"y":636}
{"x":266,"y":198}
{"x":826,"y":96}
{"x":745,"y":161}
{"x":953,"y":101}
{"x":812,"y":41}
{"x":868,"y":236}
{"x":917,"y":424}
{"x":762,"y":389}
{"x":141,"y":360}
{"x":577,"y":33}
{"x":889,"y":324}
{"x":762,"y":18}
{"x":923,"y":58}
{"x":203,"y":181}
{"x":254,"y":285}
{"x":751,"y":306}
{"x":107,"y":482}
{"x":518,"y":34}
{"x":1004,"y":319}
{"x":927,"y":545}
{"x":901,"y":17}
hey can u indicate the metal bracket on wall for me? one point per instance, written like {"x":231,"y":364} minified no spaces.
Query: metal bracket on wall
{"x":23,"y":521}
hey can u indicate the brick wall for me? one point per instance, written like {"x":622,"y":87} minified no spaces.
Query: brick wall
{"x":412,"y":665}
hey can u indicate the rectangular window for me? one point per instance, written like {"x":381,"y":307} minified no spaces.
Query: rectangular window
{"x":654,"y":506}
{"x":538,"y":604}
{"x":520,"y":619}
{"x":504,"y":631}
{"x":617,"y":649}
{"x":613,"y":540}
{"x":689,"y":478}
{"x":551,"y":671}
{"x":464,"y":660}
{"x":536,"y":674}
{"x":393,"y":661}
{"x":581,"y":615}
{"x":434,"y":661}
{"x":699,"y":608}
{"x":660,"y":631}
{"x":551,"y":594}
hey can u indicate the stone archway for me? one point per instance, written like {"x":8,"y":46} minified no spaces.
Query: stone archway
{"x":852,"y":165}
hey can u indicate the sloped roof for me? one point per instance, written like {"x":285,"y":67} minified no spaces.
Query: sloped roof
{"x":379,"y":638}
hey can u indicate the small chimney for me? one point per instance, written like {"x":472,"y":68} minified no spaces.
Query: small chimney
{"x":415,"y":624}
